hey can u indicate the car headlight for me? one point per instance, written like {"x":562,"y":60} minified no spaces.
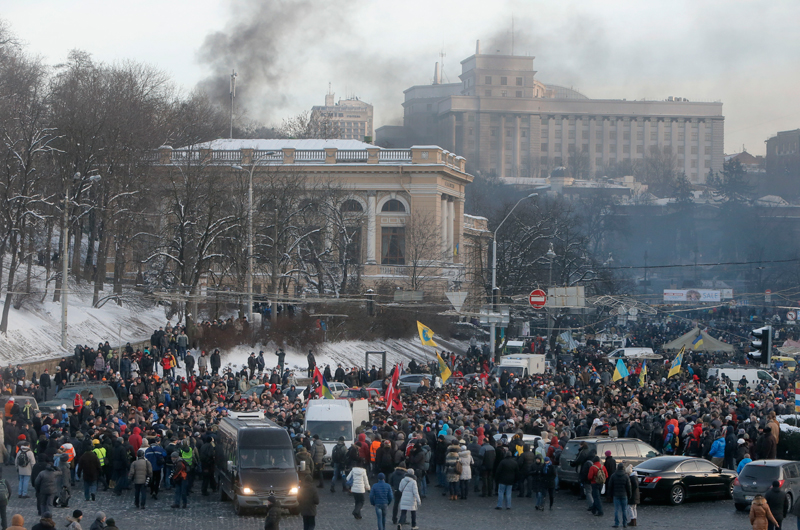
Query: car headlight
{"x":293,"y":491}
{"x":247,"y":491}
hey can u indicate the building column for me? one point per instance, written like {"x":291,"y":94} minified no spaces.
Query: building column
{"x":502,"y":147}
{"x":371,"y":236}
{"x":444,"y":212}
{"x":451,"y":215}
{"x":517,"y":139}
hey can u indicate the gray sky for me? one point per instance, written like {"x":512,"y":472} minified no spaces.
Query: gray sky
{"x":743,"y":53}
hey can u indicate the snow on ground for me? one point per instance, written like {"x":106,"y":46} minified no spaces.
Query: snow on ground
{"x":785,"y":427}
{"x":348,"y":353}
{"x":34,"y":331}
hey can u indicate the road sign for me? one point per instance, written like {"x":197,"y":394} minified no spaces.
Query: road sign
{"x":457,"y":298}
{"x":768,"y":296}
{"x":537,"y":298}
{"x":791,"y":315}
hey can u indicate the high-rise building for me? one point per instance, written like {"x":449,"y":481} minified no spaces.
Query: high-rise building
{"x":351,"y":116}
{"x":506,"y":123}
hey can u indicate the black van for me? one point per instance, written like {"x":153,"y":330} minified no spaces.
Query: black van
{"x":255,"y":460}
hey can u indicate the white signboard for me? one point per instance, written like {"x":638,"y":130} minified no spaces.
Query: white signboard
{"x":691,"y":295}
{"x":726,"y":294}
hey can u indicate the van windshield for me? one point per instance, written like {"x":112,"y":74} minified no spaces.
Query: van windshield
{"x":265,"y":458}
{"x":330,"y":431}
{"x":516,"y":371}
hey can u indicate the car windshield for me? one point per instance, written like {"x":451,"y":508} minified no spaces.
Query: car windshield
{"x":67,"y":393}
{"x":760,"y":473}
{"x":512,"y":370}
{"x":330,"y":431}
{"x":265,"y":458}
{"x":658,"y":463}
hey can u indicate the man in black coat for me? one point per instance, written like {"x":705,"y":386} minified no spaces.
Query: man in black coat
{"x":506,"y":477}
{"x":620,"y":487}
{"x":44,"y":382}
{"x":776,"y":499}
{"x":215,"y":362}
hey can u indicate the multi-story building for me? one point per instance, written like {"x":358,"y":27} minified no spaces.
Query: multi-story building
{"x":506,"y":123}
{"x":783,"y":163}
{"x":352,"y":116}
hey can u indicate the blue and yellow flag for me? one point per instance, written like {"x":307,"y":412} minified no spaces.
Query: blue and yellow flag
{"x":620,"y":371}
{"x":425,"y":335}
{"x":320,"y":385}
{"x":676,"y":364}
{"x":643,"y":374}
{"x":444,"y":370}
{"x":696,"y":343}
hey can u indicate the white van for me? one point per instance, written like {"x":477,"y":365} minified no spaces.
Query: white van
{"x":513,"y":347}
{"x":332,"y":418}
{"x":632,"y":353}
{"x":520,"y":365}
{"x":754,"y":376}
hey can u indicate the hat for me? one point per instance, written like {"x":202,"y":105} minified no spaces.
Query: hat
{"x":381,"y":476}
{"x":47,"y":515}
{"x":410,"y":473}
{"x":100,"y":516}
{"x":740,"y":441}
{"x":776,"y":484}
{"x":17,"y":520}
{"x":608,"y":453}
{"x":111,"y":522}
{"x":341,"y":438}
{"x":63,"y":407}
{"x":140,"y":452}
{"x":77,"y":514}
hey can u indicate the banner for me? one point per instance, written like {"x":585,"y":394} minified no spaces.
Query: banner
{"x":392,"y":396}
{"x":692,"y":295}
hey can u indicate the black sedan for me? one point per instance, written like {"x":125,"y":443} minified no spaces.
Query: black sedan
{"x":677,"y":478}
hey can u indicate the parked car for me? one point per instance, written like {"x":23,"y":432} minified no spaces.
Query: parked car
{"x":353,"y":394}
{"x":677,"y":478}
{"x":527,"y":439}
{"x":410,"y":382}
{"x":377,"y":384}
{"x":337,"y":388}
{"x":629,"y":450}
{"x":757,"y":477}
{"x":66,"y":396}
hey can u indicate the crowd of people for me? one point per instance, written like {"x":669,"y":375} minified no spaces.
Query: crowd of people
{"x":463,"y":436}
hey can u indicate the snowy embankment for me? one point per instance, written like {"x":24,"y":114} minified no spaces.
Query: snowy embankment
{"x":34,"y":330}
{"x":348,"y":353}
{"x":785,"y":427}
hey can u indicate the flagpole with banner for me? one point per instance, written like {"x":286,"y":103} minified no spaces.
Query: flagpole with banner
{"x":643,"y":374}
{"x":676,"y":364}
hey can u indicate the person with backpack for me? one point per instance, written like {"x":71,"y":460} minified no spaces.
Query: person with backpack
{"x":5,"y":494}
{"x":339,"y":462}
{"x":24,"y":462}
{"x":180,"y":478}
{"x":141,"y":473}
{"x":597,"y":478}
{"x":157,"y":456}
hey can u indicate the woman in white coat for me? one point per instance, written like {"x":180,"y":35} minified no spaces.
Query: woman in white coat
{"x":360,"y":485}
{"x":409,"y":499}
{"x":466,"y":470}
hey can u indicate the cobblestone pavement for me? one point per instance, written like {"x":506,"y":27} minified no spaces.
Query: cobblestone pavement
{"x":334,"y":513}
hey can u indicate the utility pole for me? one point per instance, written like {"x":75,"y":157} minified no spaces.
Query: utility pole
{"x":233,"y":95}
{"x":65,"y":264}
{"x":275,"y":287}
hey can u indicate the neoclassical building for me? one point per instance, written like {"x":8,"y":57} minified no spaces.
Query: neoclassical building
{"x":388,"y":189}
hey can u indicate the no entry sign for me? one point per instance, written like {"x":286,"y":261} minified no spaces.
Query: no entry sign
{"x":537,"y":298}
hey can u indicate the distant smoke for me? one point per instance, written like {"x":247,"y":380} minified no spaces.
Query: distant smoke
{"x":286,"y":52}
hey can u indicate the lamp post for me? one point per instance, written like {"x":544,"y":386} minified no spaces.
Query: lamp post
{"x":551,"y":256}
{"x":250,"y":262}
{"x":492,"y":325}
{"x":65,"y":254}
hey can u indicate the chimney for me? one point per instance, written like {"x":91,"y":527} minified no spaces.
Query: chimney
{"x":477,"y":47}
{"x":437,"y":75}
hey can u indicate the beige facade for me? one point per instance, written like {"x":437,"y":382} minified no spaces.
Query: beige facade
{"x":404,"y":197}
{"x":353,"y":117}
{"x":508,"y":124}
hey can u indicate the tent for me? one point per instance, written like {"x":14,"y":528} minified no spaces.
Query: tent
{"x":709,"y":344}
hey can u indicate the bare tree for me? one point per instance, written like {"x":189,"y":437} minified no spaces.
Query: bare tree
{"x":308,"y":125}
{"x":424,"y":255}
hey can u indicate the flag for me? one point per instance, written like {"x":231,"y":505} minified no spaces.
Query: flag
{"x":621,"y":371}
{"x":444,"y":370}
{"x":676,"y":364}
{"x":426,"y":335}
{"x":643,"y":375}
{"x":696,"y":343}
{"x":392,"y":397}
{"x":455,"y":249}
{"x":320,"y":386}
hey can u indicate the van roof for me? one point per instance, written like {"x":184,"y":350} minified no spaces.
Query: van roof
{"x":251,"y":423}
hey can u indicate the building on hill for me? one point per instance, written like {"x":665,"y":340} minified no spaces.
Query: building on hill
{"x":507,"y":123}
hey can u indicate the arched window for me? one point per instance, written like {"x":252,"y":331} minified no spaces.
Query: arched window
{"x":352,"y":206}
{"x":393,"y":205}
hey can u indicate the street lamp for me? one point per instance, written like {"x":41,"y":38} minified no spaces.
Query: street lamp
{"x":253,"y":166}
{"x":492,"y":325}
{"x":551,"y":256}
{"x":65,"y":253}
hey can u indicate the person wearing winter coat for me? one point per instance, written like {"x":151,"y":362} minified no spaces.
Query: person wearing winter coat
{"x":273,"y":519}
{"x":549,"y":473}
{"x":4,"y":504}
{"x":318,"y":452}
{"x":453,"y":476}
{"x":760,"y":515}
{"x":395,"y":479}
{"x":307,"y":499}
{"x":465,"y":457}
{"x":25,"y":456}
{"x":619,"y":484}
{"x":776,"y":499}
{"x":487,"y":457}
{"x":46,"y":485}
{"x":635,"y":498}
{"x":717,"y":452}
{"x":16,"y":522}
{"x":141,"y":473}
{"x":360,"y":486}
{"x":381,"y":497}
{"x":89,"y":468}
{"x":506,"y":476}
{"x":45,"y":523}
{"x":409,"y":500}
{"x":202,"y":364}
{"x":75,"y":520}
{"x":525,"y":461}
{"x":536,"y":481}
{"x":99,"y":522}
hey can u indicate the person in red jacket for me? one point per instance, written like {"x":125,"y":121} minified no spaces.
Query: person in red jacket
{"x":77,"y":403}
{"x":597,"y":485}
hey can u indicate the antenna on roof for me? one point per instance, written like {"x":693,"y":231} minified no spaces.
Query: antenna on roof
{"x":512,"y":34}
{"x":233,"y":95}
{"x":442,"y":55}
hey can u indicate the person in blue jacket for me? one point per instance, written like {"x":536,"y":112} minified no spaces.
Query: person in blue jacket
{"x":744,"y":461}
{"x":381,"y":497}
{"x":157,"y":456}
{"x":717,"y":451}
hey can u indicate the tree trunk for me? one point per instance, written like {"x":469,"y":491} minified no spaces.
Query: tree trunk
{"x":88,"y":264}
{"x":2,"y":262}
{"x":100,"y":275}
{"x":30,"y":261}
{"x":10,"y":287}
{"x":48,"y":262}
{"x":119,"y":264}
{"x":76,"y":251}
{"x":59,"y":279}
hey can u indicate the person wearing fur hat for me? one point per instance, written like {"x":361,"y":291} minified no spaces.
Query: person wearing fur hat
{"x":16,"y":522}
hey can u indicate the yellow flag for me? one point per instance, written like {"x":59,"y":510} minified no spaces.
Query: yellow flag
{"x":676,"y":364}
{"x":444,"y":371}
{"x":425,"y":335}
{"x":643,"y":374}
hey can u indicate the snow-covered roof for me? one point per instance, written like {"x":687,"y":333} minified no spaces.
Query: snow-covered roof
{"x":771,"y":200}
{"x":226,"y":144}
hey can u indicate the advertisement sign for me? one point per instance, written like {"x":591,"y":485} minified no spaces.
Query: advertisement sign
{"x":691,"y":295}
{"x":726,"y":294}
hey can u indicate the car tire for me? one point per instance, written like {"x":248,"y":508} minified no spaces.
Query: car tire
{"x":222,"y":495}
{"x":740,"y":507}
{"x":788,"y":504}
{"x":677,"y":495}
{"x":729,"y":493}
{"x":238,"y":509}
